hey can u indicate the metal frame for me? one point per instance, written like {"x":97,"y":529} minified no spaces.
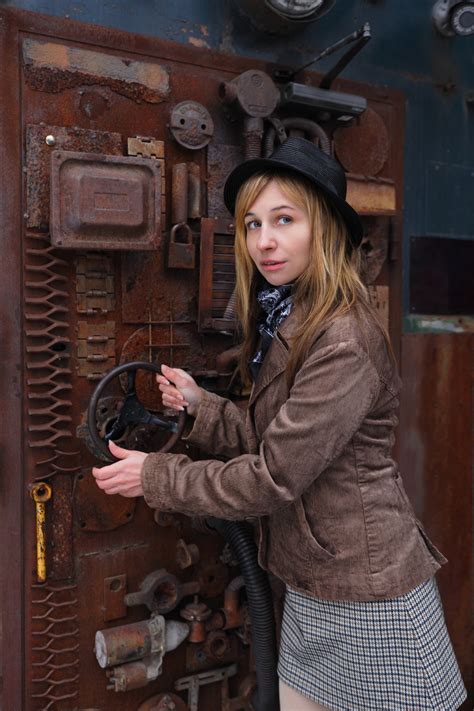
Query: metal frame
{"x":12,"y":494}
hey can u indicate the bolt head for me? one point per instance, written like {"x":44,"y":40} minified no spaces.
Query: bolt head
{"x":50,"y":140}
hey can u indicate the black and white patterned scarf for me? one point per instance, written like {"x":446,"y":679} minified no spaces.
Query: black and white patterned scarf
{"x":276,"y":303}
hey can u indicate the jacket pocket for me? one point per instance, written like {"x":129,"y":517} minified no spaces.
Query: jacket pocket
{"x":313,"y":545}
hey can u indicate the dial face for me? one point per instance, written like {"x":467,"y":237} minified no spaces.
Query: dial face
{"x":296,"y":8}
{"x":463,"y":19}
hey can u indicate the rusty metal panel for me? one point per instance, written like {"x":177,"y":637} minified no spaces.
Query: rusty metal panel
{"x":172,"y":300}
{"x":221,"y":159}
{"x":104,"y":202}
{"x":95,"y":91}
{"x":41,"y":141}
{"x":364,"y":146}
{"x":94,"y":510}
{"x":436,"y":430}
{"x":217,"y":275}
{"x":115,"y":588}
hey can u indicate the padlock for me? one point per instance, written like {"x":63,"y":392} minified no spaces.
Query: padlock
{"x":181,"y":250}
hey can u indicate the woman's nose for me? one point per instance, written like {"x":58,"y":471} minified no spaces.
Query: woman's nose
{"x":266,"y":238}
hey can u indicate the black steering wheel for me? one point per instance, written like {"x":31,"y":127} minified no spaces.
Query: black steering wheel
{"x":132,"y":412}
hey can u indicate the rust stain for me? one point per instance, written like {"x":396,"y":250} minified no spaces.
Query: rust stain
{"x":38,"y":162}
{"x":53,"y":67}
{"x":196,"y":42}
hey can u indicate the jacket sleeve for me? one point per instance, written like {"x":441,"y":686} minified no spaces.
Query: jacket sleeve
{"x":219,"y":428}
{"x":333,"y":392}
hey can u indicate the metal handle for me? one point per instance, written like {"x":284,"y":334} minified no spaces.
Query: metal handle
{"x":41,"y":493}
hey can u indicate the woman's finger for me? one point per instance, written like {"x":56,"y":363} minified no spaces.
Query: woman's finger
{"x":176,"y":375}
{"x":170,"y":390}
{"x":172,"y":395}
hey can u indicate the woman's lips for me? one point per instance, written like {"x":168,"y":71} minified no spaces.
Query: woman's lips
{"x":272,"y":266}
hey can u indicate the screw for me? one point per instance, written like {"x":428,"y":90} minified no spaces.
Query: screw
{"x":50,"y":140}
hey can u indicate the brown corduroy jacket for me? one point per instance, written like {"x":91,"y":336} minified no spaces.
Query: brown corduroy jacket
{"x":313,"y":465}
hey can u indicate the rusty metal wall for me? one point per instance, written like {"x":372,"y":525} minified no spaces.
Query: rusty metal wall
{"x":122,"y":251}
{"x":82,"y":312}
{"x":436,"y":422}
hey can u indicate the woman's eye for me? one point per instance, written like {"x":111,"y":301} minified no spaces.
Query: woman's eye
{"x":284,"y":220}
{"x":252,"y":225}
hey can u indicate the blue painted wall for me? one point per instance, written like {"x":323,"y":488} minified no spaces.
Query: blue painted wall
{"x":435,"y":73}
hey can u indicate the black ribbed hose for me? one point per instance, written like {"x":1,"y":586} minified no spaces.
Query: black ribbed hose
{"x":259,"y":596}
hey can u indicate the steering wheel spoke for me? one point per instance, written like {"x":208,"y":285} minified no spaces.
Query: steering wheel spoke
{"x":132,"y":412}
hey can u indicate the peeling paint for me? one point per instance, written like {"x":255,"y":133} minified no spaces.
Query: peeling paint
{"x":434,"y":324}
{"x":227,"y":39}
{"x":196,"y":42}
{"x":50,"y":66}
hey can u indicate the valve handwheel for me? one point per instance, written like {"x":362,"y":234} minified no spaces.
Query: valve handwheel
{"x":132,"y":412}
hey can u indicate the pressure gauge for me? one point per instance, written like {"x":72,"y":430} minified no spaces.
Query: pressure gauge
{"x":462,"y":19}
{"x":300,"y":9}
{"x":452,"y":17}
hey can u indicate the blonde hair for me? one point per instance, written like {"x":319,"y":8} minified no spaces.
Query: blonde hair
{"x":329,"y":286}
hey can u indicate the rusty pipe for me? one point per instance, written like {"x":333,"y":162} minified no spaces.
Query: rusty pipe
{"x":311,"y":128}
{"x":231,"y":614}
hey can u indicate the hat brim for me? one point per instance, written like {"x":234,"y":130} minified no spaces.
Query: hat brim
{"x":246,"y":170}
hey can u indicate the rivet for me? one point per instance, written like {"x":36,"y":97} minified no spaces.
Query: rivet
{"x":50,"y":140}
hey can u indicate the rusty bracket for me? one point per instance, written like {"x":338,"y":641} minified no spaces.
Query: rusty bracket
{"x":161,"y":592}
{"x":192,"y":683}
{"x":148,"y":147}
{"x":95,"y":348}
{"x":95,"y":289}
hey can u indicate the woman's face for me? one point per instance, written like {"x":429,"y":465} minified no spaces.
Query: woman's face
{"x":278,"y":235}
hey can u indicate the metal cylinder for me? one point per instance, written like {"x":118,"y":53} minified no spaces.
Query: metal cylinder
{"x":128,"y":676}
{"x":127,"y":643}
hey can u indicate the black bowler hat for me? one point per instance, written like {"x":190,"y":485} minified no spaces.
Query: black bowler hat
{"x":300,"y":156}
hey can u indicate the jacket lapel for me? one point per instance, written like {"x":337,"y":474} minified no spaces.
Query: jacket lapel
{"x":276,"y":359}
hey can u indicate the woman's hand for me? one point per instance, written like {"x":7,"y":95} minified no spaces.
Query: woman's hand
{"x":122,"y":477}
{"x":179,"y":389}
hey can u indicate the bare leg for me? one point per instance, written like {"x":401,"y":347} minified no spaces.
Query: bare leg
{"x":291,"y":700}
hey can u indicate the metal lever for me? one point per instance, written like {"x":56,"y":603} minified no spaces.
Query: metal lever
{"x":41,"y":493}
{"x":360,"y":37}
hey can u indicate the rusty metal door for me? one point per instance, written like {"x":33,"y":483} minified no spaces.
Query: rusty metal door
{"x":116,"y":248}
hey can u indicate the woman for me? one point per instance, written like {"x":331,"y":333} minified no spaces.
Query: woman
{"x":363,"y":626}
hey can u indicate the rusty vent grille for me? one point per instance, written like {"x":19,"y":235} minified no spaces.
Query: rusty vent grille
{"x":217,"y":276}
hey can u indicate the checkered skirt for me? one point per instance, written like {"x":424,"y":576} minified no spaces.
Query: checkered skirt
{"x":383,"y":655}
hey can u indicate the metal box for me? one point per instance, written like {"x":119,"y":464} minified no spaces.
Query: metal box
{"x":105,"y":202}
